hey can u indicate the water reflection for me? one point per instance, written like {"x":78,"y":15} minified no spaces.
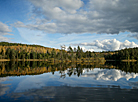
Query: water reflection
{"x":3,"y":87}
{"x":39,"y":81}
{"x":35,"y":68}
{"x":112,"y":74}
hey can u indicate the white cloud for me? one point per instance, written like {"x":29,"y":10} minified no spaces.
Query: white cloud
{"x":86,"y":49}
{"x":74,"y":16}
{"x":2,"y":38}
{"x":53,"y":7}
{"x":4,"y":29}
{"x":111,"y":45}
{"x":47,"y":27}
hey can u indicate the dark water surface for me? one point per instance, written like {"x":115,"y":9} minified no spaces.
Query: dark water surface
{"x":36,"y":81}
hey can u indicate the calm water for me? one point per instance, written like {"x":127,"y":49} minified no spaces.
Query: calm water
{"x":35,"y":81}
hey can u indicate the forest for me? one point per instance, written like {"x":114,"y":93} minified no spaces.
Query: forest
{"x":24,"y":52}
{"x":127,"y":54}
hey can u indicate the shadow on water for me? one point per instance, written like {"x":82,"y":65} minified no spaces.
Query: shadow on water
{"x":68,"y":82}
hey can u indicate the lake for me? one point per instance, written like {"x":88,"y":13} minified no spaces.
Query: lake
{"x":68,"y":82}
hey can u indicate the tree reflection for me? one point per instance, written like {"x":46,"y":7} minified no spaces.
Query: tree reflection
{"x":14,"y":68}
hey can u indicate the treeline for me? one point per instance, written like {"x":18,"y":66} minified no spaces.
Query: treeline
{"x":16,"y":52}
{"x":18,"y":44}
{"x":128,"y":54}
{"x":23,"y":51}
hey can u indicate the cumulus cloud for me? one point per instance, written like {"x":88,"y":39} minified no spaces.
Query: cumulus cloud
{"x":111,"y":45}
{"x":76,"y":16}
{"x":4,"y":29}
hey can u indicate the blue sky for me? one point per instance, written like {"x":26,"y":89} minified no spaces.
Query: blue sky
{"x":95,"y":25}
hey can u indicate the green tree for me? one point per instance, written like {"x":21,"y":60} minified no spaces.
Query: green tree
{"x":12,"y":54}
{"x":53,"y":53}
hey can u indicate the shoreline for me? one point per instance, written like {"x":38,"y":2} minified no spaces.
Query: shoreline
{"x":4,"y":60}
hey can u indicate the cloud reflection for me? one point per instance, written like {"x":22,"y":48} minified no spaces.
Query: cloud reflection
{"x":3,"y":87}
{"x":92,"y":85}
{"x":112,"y":74}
